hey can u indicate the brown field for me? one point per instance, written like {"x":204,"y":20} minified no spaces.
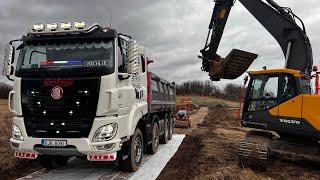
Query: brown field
{"x":210,"y":152}
{"x":11,"y":167}
{"x":210,"y":100}
{"x":4,"y":105}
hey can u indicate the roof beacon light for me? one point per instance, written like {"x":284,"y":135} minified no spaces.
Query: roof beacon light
{"x":79,"y":24}
{"x":38,"y":27}
{"x":52,"y":26}
{"x":66,"y":25}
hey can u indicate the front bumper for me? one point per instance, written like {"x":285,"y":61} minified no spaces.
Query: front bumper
{"x":75,"y":146}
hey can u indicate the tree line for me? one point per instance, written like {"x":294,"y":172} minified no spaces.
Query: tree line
{"x":208,"y":88}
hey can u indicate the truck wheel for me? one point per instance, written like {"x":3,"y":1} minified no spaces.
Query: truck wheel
{"x":53,"y":162}
{"x":153,"y":147}
{"x":164,"y":138}
{"x":171,"y":127}
{"x":135,"y":152}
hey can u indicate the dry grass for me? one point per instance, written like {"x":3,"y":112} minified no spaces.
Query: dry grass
{"x":7,"y":159}
{"x":210,"y":99}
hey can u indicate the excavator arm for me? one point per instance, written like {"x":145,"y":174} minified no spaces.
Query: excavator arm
{"x":279,"y":21}
{"x":216,"y":27}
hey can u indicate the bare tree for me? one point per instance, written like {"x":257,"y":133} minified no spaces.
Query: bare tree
{"x":207,"y":88}
{"x":233,"y":92}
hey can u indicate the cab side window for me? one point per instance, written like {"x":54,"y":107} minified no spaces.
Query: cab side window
{"x":120,"y":61}
{"x":122,"y":55}
{"x":263,"y":93}
{"x":288,"y":89}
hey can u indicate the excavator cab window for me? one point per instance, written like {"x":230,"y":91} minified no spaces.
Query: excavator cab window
{"x":263,"y":92}
{"x":305,"y":86}
{"x":288,"y":87}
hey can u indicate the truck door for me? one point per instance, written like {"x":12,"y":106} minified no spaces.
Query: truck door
{"x":290,"y":104}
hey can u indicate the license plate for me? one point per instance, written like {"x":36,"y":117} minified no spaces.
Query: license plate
{"x":54,"y":143}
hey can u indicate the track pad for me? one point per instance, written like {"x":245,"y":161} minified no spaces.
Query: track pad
{"x":234,"y":65}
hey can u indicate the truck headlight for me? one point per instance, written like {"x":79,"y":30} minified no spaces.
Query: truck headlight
{"x":16,"y":133}
{"x":105,"y":133}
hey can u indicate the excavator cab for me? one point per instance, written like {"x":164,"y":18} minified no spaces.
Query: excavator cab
{"x":278,"y":100}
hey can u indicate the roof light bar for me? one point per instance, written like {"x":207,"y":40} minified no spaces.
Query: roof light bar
{"x":79,"y":24}
{"x":38,"y":27}
{"x":66,"y":25}
{"x":52,"y":26}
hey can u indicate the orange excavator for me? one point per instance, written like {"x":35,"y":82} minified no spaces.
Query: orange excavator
{"x":279,"y":104}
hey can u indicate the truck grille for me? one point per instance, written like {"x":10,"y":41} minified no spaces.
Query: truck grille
{"x":70,"y":116}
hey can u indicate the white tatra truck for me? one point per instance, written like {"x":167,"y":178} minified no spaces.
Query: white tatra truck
{"x":86,"y":92}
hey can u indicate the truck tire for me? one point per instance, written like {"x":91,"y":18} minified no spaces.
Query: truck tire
{"x":171,"y":128}
{"x":164,"y":138}
{"x":153,"y":147}
{"x":53,"y":162}
{"x":135,"y":153}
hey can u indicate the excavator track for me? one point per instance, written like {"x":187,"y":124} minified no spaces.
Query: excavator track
{"x":254,"y":149}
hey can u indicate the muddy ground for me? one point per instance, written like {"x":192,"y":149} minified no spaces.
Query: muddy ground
{"x":210,"y":152}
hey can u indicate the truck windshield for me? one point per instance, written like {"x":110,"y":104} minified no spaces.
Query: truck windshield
{"x":93,"y":56}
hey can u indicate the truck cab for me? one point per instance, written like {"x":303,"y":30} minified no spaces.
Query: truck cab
{"x":84,"y":92}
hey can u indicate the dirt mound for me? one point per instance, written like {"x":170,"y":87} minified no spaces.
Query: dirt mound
{"x":211,"y":152}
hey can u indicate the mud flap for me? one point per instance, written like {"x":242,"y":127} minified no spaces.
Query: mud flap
{"x":234,"y":65}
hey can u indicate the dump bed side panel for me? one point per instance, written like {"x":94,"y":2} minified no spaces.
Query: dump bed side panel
{"x":161,"y":94}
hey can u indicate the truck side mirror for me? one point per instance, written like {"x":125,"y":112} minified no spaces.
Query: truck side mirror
{"x":8,"y":60}
{"x":133,"y":57}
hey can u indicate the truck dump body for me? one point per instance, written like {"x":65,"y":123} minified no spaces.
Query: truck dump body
{"x":161,"y":94}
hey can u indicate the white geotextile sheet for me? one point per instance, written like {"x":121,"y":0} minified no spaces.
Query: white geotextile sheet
{"x":77,"y":169}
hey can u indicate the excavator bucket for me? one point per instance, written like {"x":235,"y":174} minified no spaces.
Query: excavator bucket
{"x":234,"y":65}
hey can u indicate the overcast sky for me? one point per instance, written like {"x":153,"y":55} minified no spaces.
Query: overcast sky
{"x":173,"y":30}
